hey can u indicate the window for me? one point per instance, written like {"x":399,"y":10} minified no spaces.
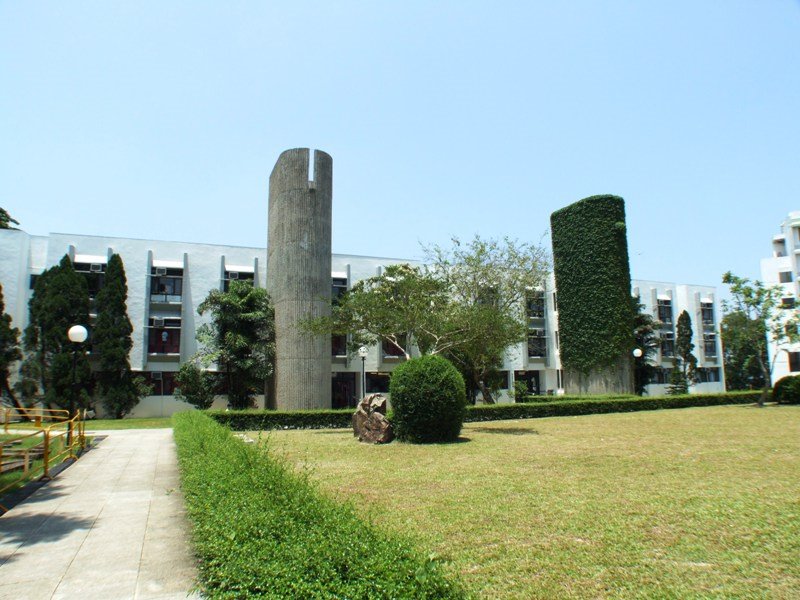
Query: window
{"x":794,"y":361}
{"x":668,"y":344}
{"x":665,"y":311}
{"x":555,"y":302}
{"x":537,"y":344}
{"x":535,"y":305}
{"x":162,"y":383}
{"x":558,"y":341}
{"x":392,"y":351}
{"x":166,"y":285}
{"x":95,"y":275}
{"x":164,"y":336}
{"x":708,"y":375}
{"x":338,"y":288}
{"x":787,"y":302}
{"x":707,"y":312}
{"x":785,"y":277}
{"x":662,"y":376}
{"x":237,"y":276}
{"x":497,"y":380}
{"x":377,"y":383}
{"x":560,"y":378}
{"x":710,"y":345}
{"x":32,"y":283}
{"x":339,"y":345}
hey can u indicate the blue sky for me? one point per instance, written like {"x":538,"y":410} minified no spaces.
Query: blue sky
{"x":164,"y":119}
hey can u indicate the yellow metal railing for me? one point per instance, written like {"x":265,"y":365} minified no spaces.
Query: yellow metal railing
{"x":26,"y":449}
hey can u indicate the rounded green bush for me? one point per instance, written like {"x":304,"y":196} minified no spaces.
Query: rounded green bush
{"x":787,"y":390}
{"x":429,"y":400}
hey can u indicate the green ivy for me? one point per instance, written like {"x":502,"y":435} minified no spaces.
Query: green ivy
{"x":590,"y":256}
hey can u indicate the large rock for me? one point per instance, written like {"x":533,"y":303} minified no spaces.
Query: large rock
{"x":370,"y":424}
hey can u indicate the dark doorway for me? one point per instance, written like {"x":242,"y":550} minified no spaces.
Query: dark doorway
{"x":343,"y":394}
{"x":531,"y":380}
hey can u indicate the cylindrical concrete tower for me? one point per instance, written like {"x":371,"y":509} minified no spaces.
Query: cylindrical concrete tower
{"x":299,"y":276}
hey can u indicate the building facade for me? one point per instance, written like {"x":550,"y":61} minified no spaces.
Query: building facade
{"x":782,"y":269}
{"x":168,"y":280}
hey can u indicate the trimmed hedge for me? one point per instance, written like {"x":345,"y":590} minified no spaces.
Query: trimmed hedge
{"x":555,"y":406}
{"x":429,"y":400}
{"x":593,"y":279}
{"x":585,"y":406}
{"x":261,"y":531}
{"x":261,"y":420}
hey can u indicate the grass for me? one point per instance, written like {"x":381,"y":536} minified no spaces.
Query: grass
{"x":694,"y":503}
{"x":107,"y":424}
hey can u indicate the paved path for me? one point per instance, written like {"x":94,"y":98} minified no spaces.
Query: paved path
{"x":111,"y":526}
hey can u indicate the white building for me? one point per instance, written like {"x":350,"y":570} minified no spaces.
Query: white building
{"x":782,"y":269}
{"x":168,"y":280}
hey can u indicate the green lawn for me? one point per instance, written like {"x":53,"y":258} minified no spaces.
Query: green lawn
{"x":693,"y":503}
{"x":106,"y":424}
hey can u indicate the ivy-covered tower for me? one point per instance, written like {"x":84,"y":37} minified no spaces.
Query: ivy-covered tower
{"x":593,"y":279}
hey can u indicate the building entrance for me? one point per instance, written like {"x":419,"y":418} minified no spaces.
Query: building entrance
{"x":343,"y":394}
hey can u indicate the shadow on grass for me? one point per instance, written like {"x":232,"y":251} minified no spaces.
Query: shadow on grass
{"x":506,"y":430}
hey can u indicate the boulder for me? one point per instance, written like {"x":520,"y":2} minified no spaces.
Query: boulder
{"x":370,"y":424}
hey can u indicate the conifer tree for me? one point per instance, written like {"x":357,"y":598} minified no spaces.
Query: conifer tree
{"x":111,"y":341}
{"x":9,"y":349}
{"x":684,"y":372}
{"x":60,"y":300}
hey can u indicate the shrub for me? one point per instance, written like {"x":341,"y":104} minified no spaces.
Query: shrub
{"x":261,"y":531}
{"x":787,"y":390}
{"x":429,"y":400}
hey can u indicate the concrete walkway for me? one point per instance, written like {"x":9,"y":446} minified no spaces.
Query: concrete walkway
{"x":111,"y":526}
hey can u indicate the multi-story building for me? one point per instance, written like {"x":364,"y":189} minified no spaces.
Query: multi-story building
{"x":168,"y":280}
{"x":783,"y":269}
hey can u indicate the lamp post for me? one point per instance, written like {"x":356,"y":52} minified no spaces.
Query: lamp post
{"x":77,"y":334}
{"x":362,"y":352}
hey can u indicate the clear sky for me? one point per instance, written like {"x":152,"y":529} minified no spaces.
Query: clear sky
{"x":164,"y":119}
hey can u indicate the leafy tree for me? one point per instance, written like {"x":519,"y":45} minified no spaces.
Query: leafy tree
{"x":9,"y":351}
{"x":6,"y":220}
{"x":405,"y":307}
{"x":240,"y":339}
{"x":468,"y":304}
{"x":684,"y":372}
{"x":489,"y":283}
{"x":195,"y":385}
{"x":645,"y":334}
{"x":742,"y":370}
{"x":768,"y":322}
{"x":111,"y":337}
{"x":60,"y":299}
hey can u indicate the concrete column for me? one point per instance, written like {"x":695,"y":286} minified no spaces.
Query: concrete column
{"x":299,"y":276}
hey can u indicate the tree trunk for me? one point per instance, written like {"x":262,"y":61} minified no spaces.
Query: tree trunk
{"x":23,"y":412}
{"x":762,"y":399}
{"x":486,"y":393}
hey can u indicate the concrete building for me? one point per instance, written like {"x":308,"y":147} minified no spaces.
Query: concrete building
{"x":783,"y":269}
{"x":168,"y":280}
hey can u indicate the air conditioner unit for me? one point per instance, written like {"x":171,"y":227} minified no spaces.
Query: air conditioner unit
{"x":233,"y":275}
{"x":158,"y":322}
{"x":155,"y":375}
{"x":96,"y":268}
{"x":161,"y":271}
